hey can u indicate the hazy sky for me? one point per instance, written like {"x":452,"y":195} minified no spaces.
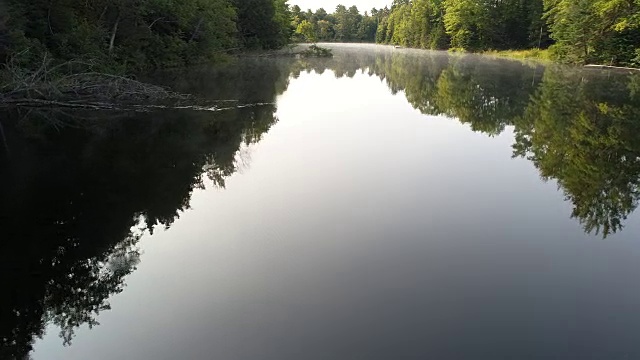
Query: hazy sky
{"x":330,"y":5}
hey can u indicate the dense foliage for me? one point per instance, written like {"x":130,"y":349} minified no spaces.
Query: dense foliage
{"x":603,"y":31}
{"x":344,"y":25}
{"x":578,"y":31}
{"x":139,"y":34}
{"x":263,"y":23}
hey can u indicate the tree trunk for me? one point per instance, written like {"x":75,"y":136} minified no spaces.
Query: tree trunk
{"x":4,"y":140}
{"x":49,"y":19}
{"x":155,"y":21}
{"x":104,"y":11}
{"x":195,"y":32}
{"x":113,"y":35}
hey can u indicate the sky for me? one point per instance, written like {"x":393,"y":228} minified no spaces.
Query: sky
{"x":330,"y":5}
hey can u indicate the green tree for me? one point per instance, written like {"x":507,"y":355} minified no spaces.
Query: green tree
{"x":257,"y":24}
{"x":325,"y":30}
{"x":461,"y":23}
{"x":602,"y":31}
{"x":137,"y":35}
{"x":282,"y":19}
{"x":306,"y":29}
{"x":573,"y":26}
{"x":126,"y":35}
{"x":466,"y":24}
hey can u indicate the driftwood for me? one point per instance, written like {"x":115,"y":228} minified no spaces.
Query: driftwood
{"x":93,"y":105}
{"x":49,"y":87}
{"x":86,"y":90}
{"x":607,"y":67}
{"x":76,"y":81}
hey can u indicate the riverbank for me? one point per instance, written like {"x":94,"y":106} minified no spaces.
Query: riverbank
{"x":544,"y":56}
{"x":539,"y":55}
{"x":291,"y":50}
{"x":80,"y":85}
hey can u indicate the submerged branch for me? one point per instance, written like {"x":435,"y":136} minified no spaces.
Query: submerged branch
{"x":47,"y":87}
{"x":92,"y":105}
{"x":82,"y":86}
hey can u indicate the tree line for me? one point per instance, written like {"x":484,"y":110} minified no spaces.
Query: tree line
{"x":123,"y":35}
{"x":343,"y":25}
{"x":139,"y":34}
{"x":575,"y":31}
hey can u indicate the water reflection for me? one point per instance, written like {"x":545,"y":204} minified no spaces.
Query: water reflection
{"x":74,"y":200}
{"x":76,"y":194}
{"x":579,"y":127}
{"x":582,"y":130}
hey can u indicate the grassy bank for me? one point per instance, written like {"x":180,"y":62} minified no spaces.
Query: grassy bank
{"x":529,"y":54}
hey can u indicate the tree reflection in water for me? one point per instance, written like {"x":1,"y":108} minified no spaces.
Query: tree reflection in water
{"x":75,"y":200}
{"x":579,"y":127}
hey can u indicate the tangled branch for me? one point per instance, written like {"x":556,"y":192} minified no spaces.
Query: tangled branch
{"x":75,"y":85}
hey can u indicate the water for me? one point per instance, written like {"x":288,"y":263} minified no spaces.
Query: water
{"x":389,"y":204}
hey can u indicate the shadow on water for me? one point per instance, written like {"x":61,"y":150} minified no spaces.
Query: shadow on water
{"x":76,"y":194}
{"x":78,"y":190}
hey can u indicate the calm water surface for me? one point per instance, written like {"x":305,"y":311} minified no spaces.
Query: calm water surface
{"x":387,"y":204}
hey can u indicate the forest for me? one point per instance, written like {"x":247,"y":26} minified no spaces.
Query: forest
{"x":123,"y":35}
{"x":575,"y":31}
{"x":343,"y":25}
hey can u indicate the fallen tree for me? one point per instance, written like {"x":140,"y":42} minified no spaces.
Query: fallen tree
{"x":74,"y":85}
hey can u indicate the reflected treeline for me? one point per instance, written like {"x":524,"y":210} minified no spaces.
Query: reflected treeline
{"x":578,"y":126}
{"x":78,"y":190}
{"x":75,"y":201}
{"x":584,"y":130}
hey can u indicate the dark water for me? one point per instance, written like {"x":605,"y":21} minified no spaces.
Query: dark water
{"x":389,"y":204}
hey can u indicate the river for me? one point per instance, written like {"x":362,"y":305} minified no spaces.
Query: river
{"x":383,"y":204}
